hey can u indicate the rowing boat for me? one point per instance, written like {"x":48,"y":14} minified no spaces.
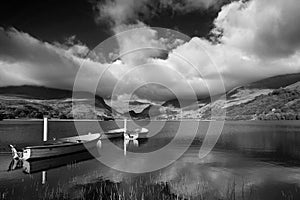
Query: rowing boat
{"x":136,"y":134}
{"x":58,"y":147}
{"x":33,"y":166}
{"x":116,"y":133}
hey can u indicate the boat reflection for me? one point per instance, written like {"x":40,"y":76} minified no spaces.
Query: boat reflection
{"x":136,"y":142}
{"x":15,"y":164}
{"x":34,"y":166}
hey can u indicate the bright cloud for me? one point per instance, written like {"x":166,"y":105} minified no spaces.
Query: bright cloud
{"x":261,"y":28}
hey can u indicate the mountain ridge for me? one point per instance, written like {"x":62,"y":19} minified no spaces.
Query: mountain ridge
{"x":36,"y":101}
{"x":273,"y":98}
{"x":246,"y":102}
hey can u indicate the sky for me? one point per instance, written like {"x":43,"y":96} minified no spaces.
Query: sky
{"x":210,"y":42}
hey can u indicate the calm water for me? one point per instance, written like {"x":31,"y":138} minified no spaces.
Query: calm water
{"x":251,"y":160}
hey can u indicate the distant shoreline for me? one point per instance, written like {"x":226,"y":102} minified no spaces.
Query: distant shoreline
{"x":87,"y":120}
{"x":54,"y":120}
{"x":91,"y":120}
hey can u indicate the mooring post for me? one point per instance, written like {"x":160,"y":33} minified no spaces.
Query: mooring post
{"x":43,"y":177}
{"x":45,"y":136}
{"x":125,"y":146}
{"x":125,"y":125}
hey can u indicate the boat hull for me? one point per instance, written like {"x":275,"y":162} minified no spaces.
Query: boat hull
{"x":46,"y":151}
{"x":113,"y":134}
{"x":32,"y":166}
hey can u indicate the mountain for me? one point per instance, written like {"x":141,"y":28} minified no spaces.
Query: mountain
{"x":35,"y":92}
{"x":149,"y":112}
{"x":172,"y":103}
{"x":262,"y":86}
{"x":44,"y":93}
{"x":36,"y":101}
{"x":138,"y":106}
{"x":268,"y":99}
{"x":138,"y":103}
{"x":275,"y":82}
{"x":275,"y":98}
{"x":280,"y":104}
{"x":179,"y":104}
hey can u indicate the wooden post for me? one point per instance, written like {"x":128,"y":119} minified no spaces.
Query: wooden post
{"x":43,"y":177}
{"x":45,"y":135}
{"x":125,"y":147}
{"x":125,"y":125}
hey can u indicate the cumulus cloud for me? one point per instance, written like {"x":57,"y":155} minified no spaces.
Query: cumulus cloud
{"x":74,"y":46}
{"x":26,"y":60}
{"x":256,"y":40}
{"x":261,"y":28}
{"x":124,"y":11}
{"x":144,"y":42}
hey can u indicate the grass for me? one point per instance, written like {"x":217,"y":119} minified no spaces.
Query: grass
{"x":147,"y":187}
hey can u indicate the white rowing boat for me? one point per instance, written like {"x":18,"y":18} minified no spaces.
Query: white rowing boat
{"x":116,"y":133}
{"x":59,"y":147}
{"x":138,"y":133}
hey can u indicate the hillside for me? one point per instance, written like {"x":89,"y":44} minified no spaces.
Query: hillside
{"x":275,"y":98}
{"x":34,"y":102}
{"x":35,"y":92}
{"x":280,"y":104}
{"x":275,"y":82}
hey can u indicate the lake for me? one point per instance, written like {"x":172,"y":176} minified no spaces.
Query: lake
{"x":251,"y":160}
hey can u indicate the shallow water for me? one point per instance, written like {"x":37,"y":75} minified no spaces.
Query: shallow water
{"x":251,"y":160}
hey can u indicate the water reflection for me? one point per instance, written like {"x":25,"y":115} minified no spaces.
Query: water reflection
{"x":250,"y":161}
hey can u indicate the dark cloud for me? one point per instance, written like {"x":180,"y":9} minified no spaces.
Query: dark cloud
{"x":26,"y":60}
{"x":130,"y":11}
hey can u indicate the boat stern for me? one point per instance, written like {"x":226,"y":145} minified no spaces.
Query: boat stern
{"x":26,"y":154}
